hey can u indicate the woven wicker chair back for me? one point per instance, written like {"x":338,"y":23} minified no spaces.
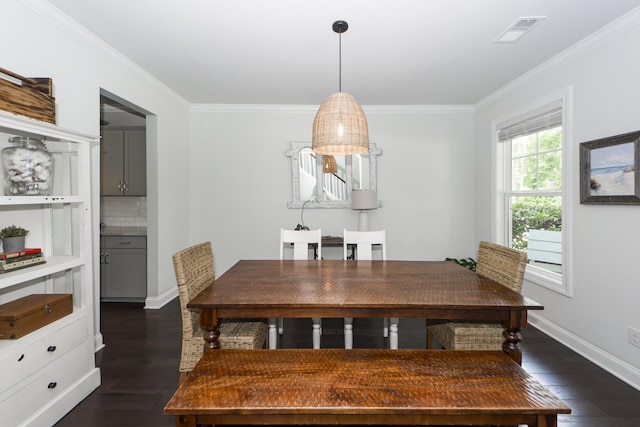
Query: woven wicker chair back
{"x":504,"y":265}
{"x":194,"y":270}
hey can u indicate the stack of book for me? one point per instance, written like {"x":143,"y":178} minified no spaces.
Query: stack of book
{"x":10,"y":261}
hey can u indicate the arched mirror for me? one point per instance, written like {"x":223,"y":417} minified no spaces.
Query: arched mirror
{"x":327,"y":181}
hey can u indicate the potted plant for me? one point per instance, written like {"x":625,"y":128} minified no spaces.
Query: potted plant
{"x":469,"y":263}
{"x":13,"y":238}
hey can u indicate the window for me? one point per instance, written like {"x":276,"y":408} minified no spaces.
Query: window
{"x":533,"y":181}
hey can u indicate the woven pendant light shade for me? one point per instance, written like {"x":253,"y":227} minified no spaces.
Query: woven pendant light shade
{"x":340,"y":127}
{"x":329,"y":164}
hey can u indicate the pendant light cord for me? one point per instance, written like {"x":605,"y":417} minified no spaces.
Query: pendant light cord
{"x":340,"y":63}
{"x":340,"y":27}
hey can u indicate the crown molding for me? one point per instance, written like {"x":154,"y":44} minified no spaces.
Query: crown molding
{"x":419,"y":109}
{"x":252,"y":108}
{"x":603,"y":35}
{"x":368,"y":109}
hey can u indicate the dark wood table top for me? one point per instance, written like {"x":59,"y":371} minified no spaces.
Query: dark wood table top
{"x":361,"y":381}
{"x":329,"y":288}
{"x":435,"y":290}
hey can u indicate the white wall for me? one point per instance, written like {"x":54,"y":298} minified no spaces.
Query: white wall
{"x":36,"y":41}
{"x":240,"y":181}
{"x":602,"y":73}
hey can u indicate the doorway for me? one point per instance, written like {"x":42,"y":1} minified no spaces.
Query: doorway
{"x":123,"y":202}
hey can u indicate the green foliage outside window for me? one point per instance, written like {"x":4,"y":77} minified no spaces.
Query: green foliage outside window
{"x":537,"y":161}
{"x":535,"y":212}
{"x":536,"y":166}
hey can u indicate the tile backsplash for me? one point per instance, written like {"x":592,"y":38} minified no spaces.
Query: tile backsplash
{"x":118,"y":211}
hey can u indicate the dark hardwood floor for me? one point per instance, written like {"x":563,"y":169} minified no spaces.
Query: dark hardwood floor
{"x":139,"y":368}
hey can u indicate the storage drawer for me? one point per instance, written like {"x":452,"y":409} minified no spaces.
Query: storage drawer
{"x":19,"y":363}
{"x":24,"y":315}
{"x":30,"y":395}
{"x":125,"y":242}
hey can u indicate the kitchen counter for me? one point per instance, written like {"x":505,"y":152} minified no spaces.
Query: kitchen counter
{"x":123,"y":231}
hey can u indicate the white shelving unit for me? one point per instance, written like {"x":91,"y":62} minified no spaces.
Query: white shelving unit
{"x":44,"y":374}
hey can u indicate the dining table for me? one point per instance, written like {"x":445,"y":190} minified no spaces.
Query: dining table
{"x":433,"y":290}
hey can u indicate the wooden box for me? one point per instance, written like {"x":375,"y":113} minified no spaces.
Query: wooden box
{"x":29,"y":97}
{"x":25,"y":315}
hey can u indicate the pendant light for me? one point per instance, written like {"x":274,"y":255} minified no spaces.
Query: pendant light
{"x":340,"y":126}
{"x":329,"y":164}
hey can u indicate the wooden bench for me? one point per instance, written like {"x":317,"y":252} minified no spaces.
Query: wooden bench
{"x":362,"y":386}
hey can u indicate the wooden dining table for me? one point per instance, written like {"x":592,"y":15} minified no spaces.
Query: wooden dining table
{"x":437,"y":290}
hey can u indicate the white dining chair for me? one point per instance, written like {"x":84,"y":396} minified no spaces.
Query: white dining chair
{"x":365,"y":241}
{"x":301,"y":241}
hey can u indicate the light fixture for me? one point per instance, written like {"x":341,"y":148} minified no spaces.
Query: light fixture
{"x":363,"y":200}
{"x":518,"y":29}
{"x":329,"y":164}
{"x":340,"y":126}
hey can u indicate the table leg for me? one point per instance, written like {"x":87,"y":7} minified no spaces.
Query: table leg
{"x":512,"y":328}
{"x":209,"y":322}
{"x":185,"y":421}
{"x":547,"y":420}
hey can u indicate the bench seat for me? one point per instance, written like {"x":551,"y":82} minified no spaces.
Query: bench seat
{"x":362,"y":386}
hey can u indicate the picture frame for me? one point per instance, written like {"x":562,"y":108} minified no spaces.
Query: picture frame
{"x":609,"y":171}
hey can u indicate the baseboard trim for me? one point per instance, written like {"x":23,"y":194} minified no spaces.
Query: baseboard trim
{"x":98,"y":342}
{"x":606,"y":361}
{"x":155,"y":303}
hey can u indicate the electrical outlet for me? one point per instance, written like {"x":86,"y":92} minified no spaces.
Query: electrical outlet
{"x":634,"y":336}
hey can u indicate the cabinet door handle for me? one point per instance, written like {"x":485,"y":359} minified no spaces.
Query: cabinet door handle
{"x":106,"y":259}
{"x":101,"y":258}
{"x":125,"y":185}
{"x":125,"y":242}
{"x":121,"y":186}
{"x":52,"y":384}
{"x":20,"y":358}
{"x":51,"y":348}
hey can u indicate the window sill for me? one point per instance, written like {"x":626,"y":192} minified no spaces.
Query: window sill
{"x":547,"y":279}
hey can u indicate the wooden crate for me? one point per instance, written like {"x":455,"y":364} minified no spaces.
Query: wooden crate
{"x":25,"y":315}
{"x":31,"y":97}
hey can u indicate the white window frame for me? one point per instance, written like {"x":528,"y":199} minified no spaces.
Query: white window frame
{"x":560,"y":283}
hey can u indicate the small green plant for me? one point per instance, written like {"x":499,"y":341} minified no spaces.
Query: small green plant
{"x":469,"y":263}
{"x":13,"y":231}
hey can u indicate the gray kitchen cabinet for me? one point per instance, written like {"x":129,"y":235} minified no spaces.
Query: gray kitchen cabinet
{"x":123,"y":166}
{"x":123,"y":268}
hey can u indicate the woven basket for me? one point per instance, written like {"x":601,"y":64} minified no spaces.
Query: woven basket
{"x":504,"y":265}
{"x":469,"y":336}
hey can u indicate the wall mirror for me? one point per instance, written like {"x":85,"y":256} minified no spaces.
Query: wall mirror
{"x":327,"y":181}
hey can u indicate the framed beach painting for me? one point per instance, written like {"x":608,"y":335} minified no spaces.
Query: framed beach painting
{"x":609,"y":170}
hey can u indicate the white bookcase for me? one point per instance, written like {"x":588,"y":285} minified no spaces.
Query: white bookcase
{"x":44,"y":374}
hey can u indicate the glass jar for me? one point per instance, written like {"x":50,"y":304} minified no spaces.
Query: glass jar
{"x":28,"y":167}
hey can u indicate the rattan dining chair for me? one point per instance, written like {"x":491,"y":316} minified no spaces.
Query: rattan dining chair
{"x":194,"y":271}
{"x":504,"y":265}
{"x":364,"y":241}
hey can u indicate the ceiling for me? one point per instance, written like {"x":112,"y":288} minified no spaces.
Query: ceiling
{"x":400,"y":52}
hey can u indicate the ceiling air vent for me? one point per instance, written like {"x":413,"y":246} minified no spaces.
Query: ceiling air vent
{"x":519,"y":28}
